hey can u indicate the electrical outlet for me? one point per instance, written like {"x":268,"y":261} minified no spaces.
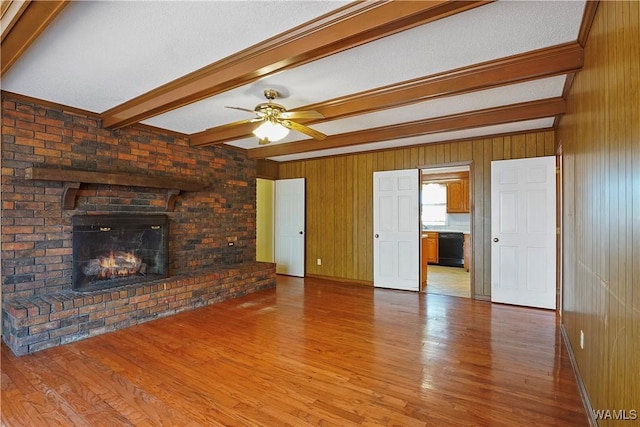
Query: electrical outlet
{"x":581,"y":339}
{"x":319,"y":261}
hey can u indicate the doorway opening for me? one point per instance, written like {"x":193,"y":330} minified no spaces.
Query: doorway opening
{"x":446,"y":230}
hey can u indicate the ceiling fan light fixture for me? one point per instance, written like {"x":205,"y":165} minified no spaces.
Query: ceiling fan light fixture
{"x":271,"y":131}
{"x":276,"y":120}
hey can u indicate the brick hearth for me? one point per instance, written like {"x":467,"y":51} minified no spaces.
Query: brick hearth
{"x":212,"y":231}
{"x":43,"y":321}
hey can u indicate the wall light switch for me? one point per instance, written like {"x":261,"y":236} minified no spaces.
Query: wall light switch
{"x":319,"y":261}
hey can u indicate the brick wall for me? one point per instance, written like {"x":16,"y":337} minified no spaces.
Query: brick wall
{"x":36,"y":231}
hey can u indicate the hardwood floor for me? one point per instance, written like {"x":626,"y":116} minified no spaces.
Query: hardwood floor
{"x":450,"y":281}
{"x":310,"y":352}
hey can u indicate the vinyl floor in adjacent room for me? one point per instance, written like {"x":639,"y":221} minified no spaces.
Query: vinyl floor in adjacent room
{"x":310,"y":352}
{"x":451,"y":281}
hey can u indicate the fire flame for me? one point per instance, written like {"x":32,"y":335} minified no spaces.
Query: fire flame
{"x":119,"y":264}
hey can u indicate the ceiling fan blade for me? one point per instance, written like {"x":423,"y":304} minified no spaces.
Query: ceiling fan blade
{"x":241,"y":109}
{"x":303,"y":129}
{"x":310,"y":114}
{"x":239,"y":122}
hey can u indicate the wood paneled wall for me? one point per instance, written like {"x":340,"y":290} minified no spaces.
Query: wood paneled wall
{"x":340,"y":200}
{"x":600,"y":138}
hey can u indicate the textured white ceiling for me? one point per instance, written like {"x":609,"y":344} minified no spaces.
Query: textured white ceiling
{"x":99,"y":54}
{"x":454,"y":42}
{"x":418,"y":140}
{"x":504,"y":95}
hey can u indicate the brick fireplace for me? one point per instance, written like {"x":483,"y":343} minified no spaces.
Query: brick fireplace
{"x":54,"y":164}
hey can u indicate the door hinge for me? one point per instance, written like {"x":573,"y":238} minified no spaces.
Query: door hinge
{"x":558,"y":230}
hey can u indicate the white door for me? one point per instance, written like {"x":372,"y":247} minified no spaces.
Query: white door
{"x":523,"y":232}
{"x":396,"y":229}
{"x":290,"y":226}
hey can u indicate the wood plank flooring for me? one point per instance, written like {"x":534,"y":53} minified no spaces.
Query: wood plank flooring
{"x":310,"y":352}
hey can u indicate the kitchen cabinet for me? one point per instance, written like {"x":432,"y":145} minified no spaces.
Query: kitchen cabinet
{"x":431,"y":245}
{"x":458,"y":196}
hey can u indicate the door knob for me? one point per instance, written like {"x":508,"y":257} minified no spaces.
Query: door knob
{"x":301,"y":232}
{"x":376,"y":236}
{"x":495,"y":239}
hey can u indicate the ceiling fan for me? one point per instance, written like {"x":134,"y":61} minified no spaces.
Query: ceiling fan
{"x":276,"y":120}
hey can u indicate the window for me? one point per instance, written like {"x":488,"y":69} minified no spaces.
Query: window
{"x":434,"y":204}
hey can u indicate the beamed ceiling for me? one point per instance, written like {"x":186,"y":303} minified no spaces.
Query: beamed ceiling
{"x":383,"y":74}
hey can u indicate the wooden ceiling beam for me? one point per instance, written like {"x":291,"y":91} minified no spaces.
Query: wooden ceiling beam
{"x":347,"y":27}
{"x":489,"y":117}
{"x":565,"y":58}
{"x":22,"y":23}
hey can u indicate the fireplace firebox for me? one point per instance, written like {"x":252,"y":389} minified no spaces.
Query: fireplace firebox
{"x":117,"y":250}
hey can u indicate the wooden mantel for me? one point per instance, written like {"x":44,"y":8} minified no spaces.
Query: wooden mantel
{"x":73,"y":179}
